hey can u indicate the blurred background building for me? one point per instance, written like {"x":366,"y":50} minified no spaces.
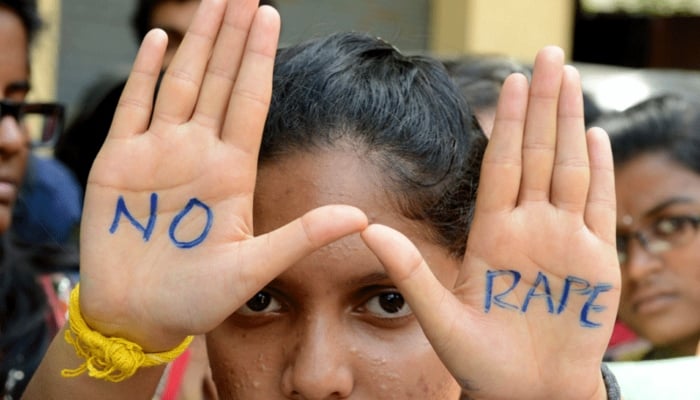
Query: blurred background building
{"x":86,"y":40}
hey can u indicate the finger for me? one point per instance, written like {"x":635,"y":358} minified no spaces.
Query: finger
{"x":600,"y":213}
{"x":541,"y":125}
{"x":224,"y":64}
{"x":571,"y":174}
{"x":181,"y":83}
{"x":501,"y":167}
{"x":276,"y":251}
{"x":250,"y":99}
{"x":429,"y":300}
{"x":133,"y":112}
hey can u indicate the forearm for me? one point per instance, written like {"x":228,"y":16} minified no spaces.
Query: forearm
{"x":48,"y":384}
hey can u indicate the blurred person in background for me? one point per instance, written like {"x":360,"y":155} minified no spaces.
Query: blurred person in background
{"x":30,"y":313}
{"x":656,"y":148}
{"x":480,"y":78}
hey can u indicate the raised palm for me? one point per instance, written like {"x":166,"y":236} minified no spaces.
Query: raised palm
{"x":167,"y":226}
{"x":534,"y":304}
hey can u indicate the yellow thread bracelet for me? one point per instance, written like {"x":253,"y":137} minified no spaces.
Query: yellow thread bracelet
{"x":110,"y":358}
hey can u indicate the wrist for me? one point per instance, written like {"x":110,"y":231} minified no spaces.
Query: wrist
{"x":109,"y":358}
{"x":117,"y":318}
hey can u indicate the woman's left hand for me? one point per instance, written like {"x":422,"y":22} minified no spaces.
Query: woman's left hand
{"x":533,"y":307}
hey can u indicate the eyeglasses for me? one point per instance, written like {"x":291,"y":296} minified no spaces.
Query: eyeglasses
{"x":43,"y":121}
{"x":661,"y":236}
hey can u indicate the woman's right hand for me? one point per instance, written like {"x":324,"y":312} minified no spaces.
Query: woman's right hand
{"x":167,"y":246}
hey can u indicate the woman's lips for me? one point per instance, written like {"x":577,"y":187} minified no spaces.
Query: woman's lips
{"x":653,"y":303}
{"x":8,"y":192}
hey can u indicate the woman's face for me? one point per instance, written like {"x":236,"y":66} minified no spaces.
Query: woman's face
{"x":14,"y":84}
{"x":660,"y":292}
{"x":333,"y":326}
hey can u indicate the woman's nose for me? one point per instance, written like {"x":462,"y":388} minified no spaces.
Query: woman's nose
{"x":319,"y":365}
{"x":12,"y":136}
{"x":640,"y":263}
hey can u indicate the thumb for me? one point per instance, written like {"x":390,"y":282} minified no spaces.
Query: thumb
{"x":433,"y":305}
{"x":281,"y":248}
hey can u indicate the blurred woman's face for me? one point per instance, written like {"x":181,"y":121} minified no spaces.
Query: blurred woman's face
{"x":14,"y":85}
{"x":659,"y":200}
{"x":333,"y":326}
{"x":174,"y":17}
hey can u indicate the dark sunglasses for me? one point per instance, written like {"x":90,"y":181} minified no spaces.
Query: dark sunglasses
{"x":43,"y":120}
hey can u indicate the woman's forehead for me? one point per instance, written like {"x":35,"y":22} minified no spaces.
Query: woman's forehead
{"x":289,"y":187}
{"x":294,"y":185}
{"x":333,"y":274}
{"x":13,"y":58}
{"x":646,"y":182}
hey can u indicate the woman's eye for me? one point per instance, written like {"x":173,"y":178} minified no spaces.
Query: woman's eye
{"x":671,"y":225}
{"x":262,"y":302}
{"x":388,"y":305}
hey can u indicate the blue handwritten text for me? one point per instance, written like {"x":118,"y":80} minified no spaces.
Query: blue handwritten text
{"x":147,"y":229}
{"x":541,"y":289}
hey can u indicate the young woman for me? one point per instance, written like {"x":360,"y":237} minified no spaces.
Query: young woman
{"x":656,"y":145}
{"x":327,"y":258}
